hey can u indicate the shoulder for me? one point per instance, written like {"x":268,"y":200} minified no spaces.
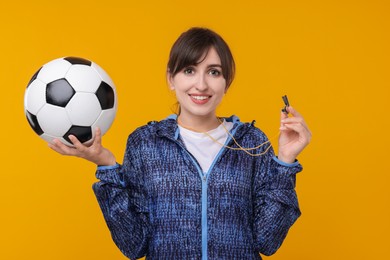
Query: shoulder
{"x":250,"y":136}
{"x":154,"y":129}
{"x":257,"y":132}
{"x":253,"y":136}
{"x":247,"y":130}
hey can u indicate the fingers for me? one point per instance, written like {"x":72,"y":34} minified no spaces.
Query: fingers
{"x":295,"y":123}
{"x":61,"y":148}
{"x":298,"y":127}
{"x":293,"y":112}
{"x":98,"y":137}
{"x":283,"y":115}
{"x":93,"y":151}
{"x":77,"y":144}
{"x":293,"y":120}
{"x":77,"y":150}
{"x":55,"y":148}
{"x":303,"y":131}
{"x":296,"y":117}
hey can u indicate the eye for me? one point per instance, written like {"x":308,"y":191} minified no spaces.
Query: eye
{"x":188,"y":70}
{"x":215,"y":72}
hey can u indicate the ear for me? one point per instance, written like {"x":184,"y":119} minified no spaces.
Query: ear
{"x":170,"y":81}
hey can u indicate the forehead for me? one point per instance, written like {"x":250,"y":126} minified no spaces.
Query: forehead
{"x":210,"y":57}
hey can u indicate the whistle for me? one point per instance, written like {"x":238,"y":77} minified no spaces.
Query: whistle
{"x":286,"y":104}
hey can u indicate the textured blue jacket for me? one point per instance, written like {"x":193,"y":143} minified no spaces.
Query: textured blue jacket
{"x":160,"y":204}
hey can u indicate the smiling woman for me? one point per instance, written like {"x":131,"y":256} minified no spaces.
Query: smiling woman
{"x":187,"y":189}
{"x":199,"y":90}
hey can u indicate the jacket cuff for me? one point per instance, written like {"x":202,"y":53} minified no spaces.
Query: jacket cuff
{"x":109,"y":174}
{"x":284,"y":174}
{"x":295,"y":163}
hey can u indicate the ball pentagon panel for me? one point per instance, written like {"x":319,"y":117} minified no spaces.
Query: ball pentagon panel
{"x":78,"y":60}
{"x":105,"y":95}
{"x":83,"y":133}
{"x":59,"y":92}
{"x":33,"y":121}
{"x":34,"y":77}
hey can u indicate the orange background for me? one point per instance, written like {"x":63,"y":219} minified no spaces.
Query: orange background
{"x":330,"y":57}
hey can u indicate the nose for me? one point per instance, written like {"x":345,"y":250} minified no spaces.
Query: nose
{"x":201,"y":83}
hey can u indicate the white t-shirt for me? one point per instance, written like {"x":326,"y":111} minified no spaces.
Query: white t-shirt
{"x":202,"y":147}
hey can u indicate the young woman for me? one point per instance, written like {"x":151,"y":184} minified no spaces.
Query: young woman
{"x":190,"y":187}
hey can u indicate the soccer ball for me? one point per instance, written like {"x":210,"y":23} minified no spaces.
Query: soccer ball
{"x":70,"y":96}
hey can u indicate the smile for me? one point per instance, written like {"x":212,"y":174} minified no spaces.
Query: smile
{"x":199,"y":99}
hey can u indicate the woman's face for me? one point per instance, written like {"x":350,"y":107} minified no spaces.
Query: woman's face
{"x":199,"y":88}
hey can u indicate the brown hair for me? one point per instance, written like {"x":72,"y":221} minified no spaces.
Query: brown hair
{"x":190,"y":47}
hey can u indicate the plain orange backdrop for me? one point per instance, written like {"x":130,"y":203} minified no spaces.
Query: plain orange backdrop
{"x":330,"y":57}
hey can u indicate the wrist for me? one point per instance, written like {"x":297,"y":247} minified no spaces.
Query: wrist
{"x":106,"y":159}
{"x":286,"y":159}
{"x":110,"y":162}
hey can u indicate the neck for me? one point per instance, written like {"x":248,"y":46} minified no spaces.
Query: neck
{"x":199,"y":124}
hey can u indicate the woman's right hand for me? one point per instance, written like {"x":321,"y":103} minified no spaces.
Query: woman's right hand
{"x":95,"y":152}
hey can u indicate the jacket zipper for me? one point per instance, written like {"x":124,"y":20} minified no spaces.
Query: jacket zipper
{"x":204,"y":178}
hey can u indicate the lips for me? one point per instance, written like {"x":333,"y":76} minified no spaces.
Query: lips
{"x":199,"y":99}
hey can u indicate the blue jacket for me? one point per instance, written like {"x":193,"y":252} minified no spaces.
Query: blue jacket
{"x":160,"y":204}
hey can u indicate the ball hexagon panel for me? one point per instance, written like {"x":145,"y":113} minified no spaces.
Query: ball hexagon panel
{"x":49,"y":138}
{"x":105,"y":95}
{"x":83,"y":78}
{"x":35,"y":97}
{"x":103,"y":75}
{"x":83,"y":109}
{"x":105,"y":120}
{"x":54,"y":120}
{"x":54,"y":70}
{"x":59,"y":92}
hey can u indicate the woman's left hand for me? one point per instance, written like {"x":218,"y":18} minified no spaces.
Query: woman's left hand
{"x":294,"y":135}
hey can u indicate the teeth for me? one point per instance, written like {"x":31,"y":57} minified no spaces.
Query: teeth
{"x":200,"y":97}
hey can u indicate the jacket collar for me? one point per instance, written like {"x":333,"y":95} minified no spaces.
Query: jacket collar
{"x":168,"y":127}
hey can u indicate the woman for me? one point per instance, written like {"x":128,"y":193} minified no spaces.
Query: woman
{"x":186,"y":190}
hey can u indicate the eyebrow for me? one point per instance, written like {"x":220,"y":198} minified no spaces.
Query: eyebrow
{"x":214,"y":65}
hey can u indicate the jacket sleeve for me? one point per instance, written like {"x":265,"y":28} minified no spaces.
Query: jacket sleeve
{"x":121,"y":195}
{"x":276,"y":205}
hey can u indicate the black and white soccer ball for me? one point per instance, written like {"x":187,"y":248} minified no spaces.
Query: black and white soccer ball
{"x":70,"y":96}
